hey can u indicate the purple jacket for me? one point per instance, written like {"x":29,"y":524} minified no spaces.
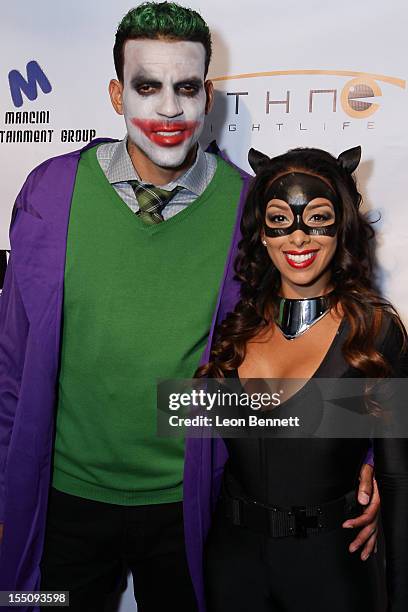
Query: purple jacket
{"x":30,"y":325}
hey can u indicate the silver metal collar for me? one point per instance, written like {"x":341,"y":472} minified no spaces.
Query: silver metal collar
{"x":296,"y":316}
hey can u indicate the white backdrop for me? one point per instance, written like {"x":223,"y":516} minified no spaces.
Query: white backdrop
{"x":356,"y":52}
{"x":286,"y":50}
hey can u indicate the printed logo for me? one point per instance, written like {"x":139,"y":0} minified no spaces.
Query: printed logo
{"x":355,"y":95}
{"x":28,"y":85}
{"x":322,"y":95}
{"x":35,"y":126}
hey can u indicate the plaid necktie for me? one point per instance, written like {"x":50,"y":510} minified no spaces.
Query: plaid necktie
{"x":151,"y":201}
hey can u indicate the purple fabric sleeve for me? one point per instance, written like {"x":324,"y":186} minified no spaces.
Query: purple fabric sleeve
{"x":13,"y":335}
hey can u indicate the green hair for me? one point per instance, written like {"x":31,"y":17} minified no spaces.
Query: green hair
{"x":162,"y":20}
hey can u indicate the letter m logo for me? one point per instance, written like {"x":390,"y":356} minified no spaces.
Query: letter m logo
{"x":18,"y":84}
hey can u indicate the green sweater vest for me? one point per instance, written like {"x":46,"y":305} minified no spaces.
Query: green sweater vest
{"x":138,"y":303}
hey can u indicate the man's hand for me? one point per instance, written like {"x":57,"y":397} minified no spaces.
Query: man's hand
{"x":368,"y":496}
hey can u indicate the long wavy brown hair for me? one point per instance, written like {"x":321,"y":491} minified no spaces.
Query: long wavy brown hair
{"x":352,"y":272}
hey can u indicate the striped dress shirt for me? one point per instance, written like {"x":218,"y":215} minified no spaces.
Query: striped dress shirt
{"x":117,"y":166}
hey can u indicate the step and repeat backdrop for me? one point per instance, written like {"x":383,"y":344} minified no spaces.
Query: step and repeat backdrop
{"x":326,"y":74}
{"x":316,"y":73}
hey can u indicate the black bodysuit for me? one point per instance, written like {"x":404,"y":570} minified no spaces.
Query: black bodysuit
{"x":246,"y":570}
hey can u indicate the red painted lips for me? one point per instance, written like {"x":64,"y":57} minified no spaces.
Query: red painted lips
{"x":166,"y":133}
{"x":302,"y":263}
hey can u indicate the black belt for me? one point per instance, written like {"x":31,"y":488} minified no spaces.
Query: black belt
{"x":277,"y":522}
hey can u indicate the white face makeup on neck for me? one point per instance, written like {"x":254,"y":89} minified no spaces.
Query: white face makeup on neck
{"x":164,"y":98}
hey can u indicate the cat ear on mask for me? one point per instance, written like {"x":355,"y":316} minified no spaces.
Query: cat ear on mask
{"x":257,"y":160}
{"x":350,"y":159}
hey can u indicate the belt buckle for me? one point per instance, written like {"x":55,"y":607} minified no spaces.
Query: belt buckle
{"x":303,"y":522}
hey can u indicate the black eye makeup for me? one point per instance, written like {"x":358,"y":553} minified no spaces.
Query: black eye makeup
{"x":277,"y":218}
{"x":145,"y":87}
{"x":189,"y":88}
{"x":320,"y":216}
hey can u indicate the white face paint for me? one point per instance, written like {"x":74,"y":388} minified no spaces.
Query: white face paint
{"x":164,"y":97}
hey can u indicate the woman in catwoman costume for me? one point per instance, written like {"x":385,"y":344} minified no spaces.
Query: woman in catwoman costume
{"x":308,"y":309}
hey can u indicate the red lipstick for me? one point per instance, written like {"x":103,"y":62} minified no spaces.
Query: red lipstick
{"x":166,"y":133}
{"x":304,"y":263}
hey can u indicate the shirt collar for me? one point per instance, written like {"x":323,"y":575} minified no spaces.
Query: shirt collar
{"x":121,"y":170}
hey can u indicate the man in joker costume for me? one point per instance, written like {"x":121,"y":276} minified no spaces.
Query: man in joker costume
{"x":118,"y":254}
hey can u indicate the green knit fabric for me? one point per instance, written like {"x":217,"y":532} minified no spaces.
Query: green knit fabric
{"x":138,"y":303}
